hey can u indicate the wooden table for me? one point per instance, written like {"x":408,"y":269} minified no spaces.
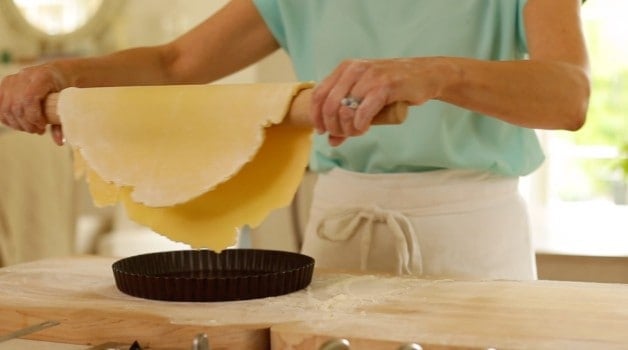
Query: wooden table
{"x":373,"y":312}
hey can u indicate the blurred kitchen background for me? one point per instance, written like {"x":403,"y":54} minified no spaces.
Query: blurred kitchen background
{"x":578,"y":200}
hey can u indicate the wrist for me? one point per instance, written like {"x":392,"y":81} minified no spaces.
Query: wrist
{"x":432,"y":78}
{"x":445,"y":74}
{"x":442,"y":74}
{"x":61,"y":74}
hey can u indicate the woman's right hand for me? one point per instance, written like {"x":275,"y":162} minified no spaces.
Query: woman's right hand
{"x":23,"y":96}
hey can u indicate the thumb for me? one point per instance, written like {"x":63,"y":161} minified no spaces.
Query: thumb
{"x":57,"y":134}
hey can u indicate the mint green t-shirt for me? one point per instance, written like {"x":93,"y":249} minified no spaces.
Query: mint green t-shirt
{"x":319,"y":34}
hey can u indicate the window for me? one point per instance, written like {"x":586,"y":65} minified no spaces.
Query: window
{"x":55,"y":17}
{"x":579,"y":199}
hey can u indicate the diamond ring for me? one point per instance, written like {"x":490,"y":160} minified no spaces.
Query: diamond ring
{"x":350,"y":102}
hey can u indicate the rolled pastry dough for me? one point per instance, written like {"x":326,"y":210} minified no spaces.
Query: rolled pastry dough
{"x":231,"y":176}
{"x":171,"y":143}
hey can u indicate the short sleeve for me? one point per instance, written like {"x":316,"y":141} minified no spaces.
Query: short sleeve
{"x":522,"y":40}
{"x":271,"y":13}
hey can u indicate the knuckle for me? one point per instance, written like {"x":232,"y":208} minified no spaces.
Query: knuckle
{"x":8,"y":80}
{"x":393,"y":82}
{"x":16,"y":110}
{"x":346,"y":63}
{"x":358,"y":66}
{"x":346,"y":121}
{"x":332,"y":126}
{"x":380,"y":97}
{"x":28,"y":100}
{"x":328,"y":109}
{"x":32,"y":116}
{"x":345,"y":115}
{"x":28,"y":71}
{"x":331,"y":130}
{"x":318,"y":96}
{"x":378,"y":75}
{"x":357,"y":132}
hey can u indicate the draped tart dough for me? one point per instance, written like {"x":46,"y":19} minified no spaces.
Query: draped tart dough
{"x":193,"y":162}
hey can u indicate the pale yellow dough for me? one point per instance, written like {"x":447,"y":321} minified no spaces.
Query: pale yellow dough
{"x":171,"y":143}
{"x":232,"y":176}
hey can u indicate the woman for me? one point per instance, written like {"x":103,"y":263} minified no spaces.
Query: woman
{"x":434,"y":196}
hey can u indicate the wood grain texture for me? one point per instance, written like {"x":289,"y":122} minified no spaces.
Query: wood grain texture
{"x":373,"y":312}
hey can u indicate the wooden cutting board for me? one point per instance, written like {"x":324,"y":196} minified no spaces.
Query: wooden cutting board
{"x":373,"y":312}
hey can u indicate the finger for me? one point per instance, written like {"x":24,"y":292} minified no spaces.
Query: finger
{"x":4,"y":119}
{"x":17,"y":114}
{"x":12,"y":123}
{"x":346,"y":116}
{"x":33,"y":113}
{"x":321,"y":91}
{"x":17,"y":121}
{"x":339,"y":119}
{"x":348,"y":78}
{"x":5,"y":111}
{"x":33,"y":101}
{"x":57,"y":134}
{"x":372,"y":104}
{"x":12,"y":110}
{"x":332,"y":125}
{"x":335,"y":141}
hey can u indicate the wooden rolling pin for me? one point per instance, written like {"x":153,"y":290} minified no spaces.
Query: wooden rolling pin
{"x":298,"y":115}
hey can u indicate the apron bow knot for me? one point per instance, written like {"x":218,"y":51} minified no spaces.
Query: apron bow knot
{"x":342,"y":224}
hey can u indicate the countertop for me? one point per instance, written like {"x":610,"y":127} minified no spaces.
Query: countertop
{"x":372,"y":311}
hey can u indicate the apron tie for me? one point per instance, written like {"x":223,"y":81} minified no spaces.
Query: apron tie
{"x":343,"y":223}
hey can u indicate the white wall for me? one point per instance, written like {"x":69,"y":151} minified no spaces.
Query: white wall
{"x":141,"y":23}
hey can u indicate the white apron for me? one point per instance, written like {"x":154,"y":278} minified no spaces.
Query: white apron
{"x":446,"y":223}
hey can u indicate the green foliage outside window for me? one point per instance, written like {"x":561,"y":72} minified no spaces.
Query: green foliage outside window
{"x":607,"y":118}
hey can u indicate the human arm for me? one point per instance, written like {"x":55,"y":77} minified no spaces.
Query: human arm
{"x":231,"y":39}
{"x":549,"y":91}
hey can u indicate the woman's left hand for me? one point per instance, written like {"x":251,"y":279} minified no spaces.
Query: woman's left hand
{"x":373,"y":84}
